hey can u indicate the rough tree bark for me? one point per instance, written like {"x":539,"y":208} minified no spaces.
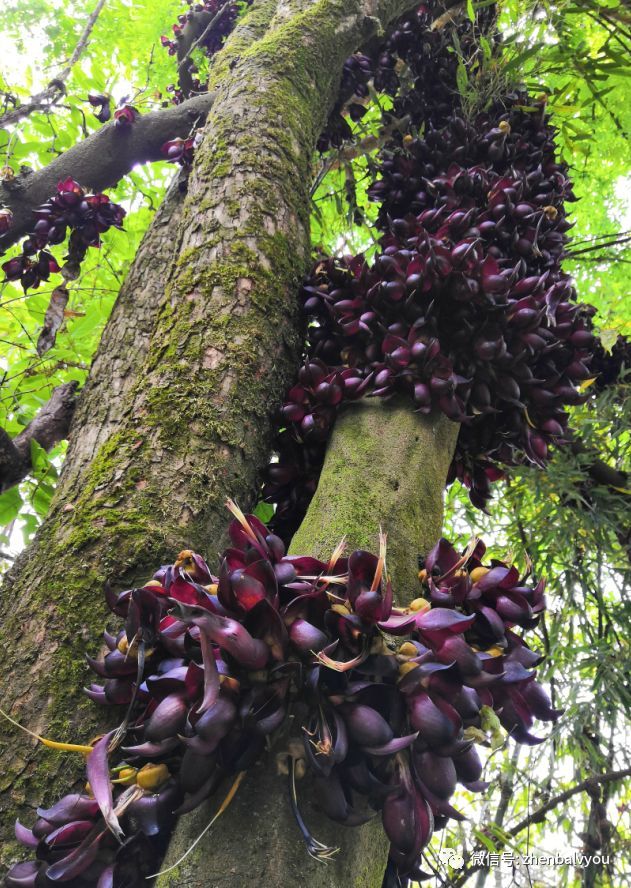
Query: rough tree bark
{"x":385,"y":465}
{"x":193,"y":425}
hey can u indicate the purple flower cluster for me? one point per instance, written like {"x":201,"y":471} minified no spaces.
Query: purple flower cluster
{"x":465,"y":308}
{"x":385,"y":702}
{"x":216,"y":19}
{"x":213,"y":38}
{"x":179,"y":151}
{"x":87,"y":216}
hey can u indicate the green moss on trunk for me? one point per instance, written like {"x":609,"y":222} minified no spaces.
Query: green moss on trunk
{"x":386,"y":467}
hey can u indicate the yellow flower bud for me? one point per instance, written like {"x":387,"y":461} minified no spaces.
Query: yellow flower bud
{"x":152,"y":776}
{"x":495,"y":651}
{"x":407,"y":649}
{"x":126,"y":776}
{"x":404,"y":668}
{"x":504,"y":125}
{"x":419,"y":604}
{"x":184,"y":559}
{"x":477,"y":573}
{"x":131,"y":650}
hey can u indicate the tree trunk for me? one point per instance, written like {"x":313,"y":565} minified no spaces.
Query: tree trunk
{"x":138,"y":484}
{"x":125,"y":341}
{"x":384,"y":465}
{"x":193,"y":423}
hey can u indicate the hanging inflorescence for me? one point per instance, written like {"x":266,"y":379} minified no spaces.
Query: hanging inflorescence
{"x":465,"y":309}
{"x":385,"y":702}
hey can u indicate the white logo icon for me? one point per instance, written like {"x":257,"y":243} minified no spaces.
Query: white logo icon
{"x":452,"y":858}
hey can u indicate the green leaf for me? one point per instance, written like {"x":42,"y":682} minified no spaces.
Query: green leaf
{"x":10,"y":505}
{"x":39,"y":458}
{"x":485,"y":840}
{"x":462,"y":80}
{"x":264,"y":512}
{"x":486,"y":49}
{"x":41,"y":498}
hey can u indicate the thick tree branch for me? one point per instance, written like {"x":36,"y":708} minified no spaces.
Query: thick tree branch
{"x":101,"y":160}
{"x":49,"y":96}
{"x":49,"y":427}
{"x":539,"y":815}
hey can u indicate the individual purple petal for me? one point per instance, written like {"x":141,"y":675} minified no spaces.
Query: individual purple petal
{"x":195,"y":769}
{"x":229,"y":634}
{"x":106,"y":879}
{"x":211,"y":674}
{"x":468,"y":766}
{"x":22,"y":875}
{"x":77,"y":861}
{"x":69,"y":834}
{"x":455,"y":649}
{"x":167,"y":681}
{"x":395,"y":745}
{"x":25,"y":836}
{"x":167,"y":718}
{"x":71,"y":807}
{"x":495,"y":623}
{"x":539,"y":701}
{"x":98,"y":774}
{"x":398,"y":624}
{"x":439,"y":618}
{"x":153,"y":812}
{"x":438,"y":773}
{"x":217,"y":720}
{"x":97,"y":694}
{"x":443,"y":556}
{"x":42,"y":827}
{"x":514,"y":672}
{"x":433,"y":725}
{"x":366,"y":726}
{"x":307,"y":637}
{"x":152,"y":750}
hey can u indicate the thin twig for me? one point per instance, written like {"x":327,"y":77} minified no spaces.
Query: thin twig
{"x":57,"y":86}
{"x":539,"y":815}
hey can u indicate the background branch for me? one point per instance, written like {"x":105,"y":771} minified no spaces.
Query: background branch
{"x":49,"y":427}
{"x":539,"y":815}
{"x":100,"y":161}
{"x":57,"y":87}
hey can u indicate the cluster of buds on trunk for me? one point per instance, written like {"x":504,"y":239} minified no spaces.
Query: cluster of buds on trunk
{"x":377,"y":706}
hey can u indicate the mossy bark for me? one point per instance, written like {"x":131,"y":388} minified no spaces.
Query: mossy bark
{"x":385,"y":466}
